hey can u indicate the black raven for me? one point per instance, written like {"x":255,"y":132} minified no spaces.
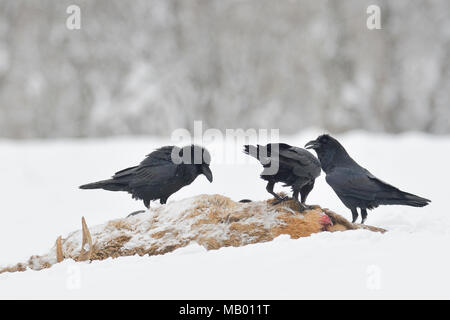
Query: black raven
{"x":354,"y":185}
{"x":297,"y":168}
{"x":162,"y":173}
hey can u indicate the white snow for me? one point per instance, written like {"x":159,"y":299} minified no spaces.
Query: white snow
{"x":40,"y":201}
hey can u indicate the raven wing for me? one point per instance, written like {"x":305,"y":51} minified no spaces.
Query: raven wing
{"x":154,"y":176}
{"x":124,"y":173}
{"x":360,"y":184}
{"x":302,"y":161}
{"x":156,"y":166}
{"x":161,"y":156}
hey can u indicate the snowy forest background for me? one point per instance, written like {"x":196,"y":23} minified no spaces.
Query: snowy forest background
{"x":149,"y":67}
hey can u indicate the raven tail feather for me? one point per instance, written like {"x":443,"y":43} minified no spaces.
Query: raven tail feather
{"x":110,"y":184}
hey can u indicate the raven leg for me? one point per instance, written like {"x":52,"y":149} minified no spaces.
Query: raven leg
{"x":363,"y":215}
{"x":303,"y":207}
{"x":163,"y":200}
{"x":354,"y":214}
{"x":304,"y":191}
{"x":269,"y":189}
{"x":147,"y":203}
{"x":295,"y":195}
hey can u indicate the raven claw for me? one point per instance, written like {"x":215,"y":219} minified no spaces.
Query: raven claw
{"x":280,"y":200}
{"x":307,"y":207}
{"x":303,"y":207}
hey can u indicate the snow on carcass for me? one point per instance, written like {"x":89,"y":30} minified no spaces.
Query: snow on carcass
{"x":213,"y":221}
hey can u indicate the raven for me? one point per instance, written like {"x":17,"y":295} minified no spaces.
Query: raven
{"x":353,"y":184}
{"x":297,"y":168}
{"x":162,"y":173}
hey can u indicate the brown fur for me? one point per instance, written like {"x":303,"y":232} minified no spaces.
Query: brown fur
{"x":213,"y":221}
{"x":298,"y":225}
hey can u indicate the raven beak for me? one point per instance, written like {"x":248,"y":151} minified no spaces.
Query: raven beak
{"x":314,"y":144}
{"x":207,"y":172}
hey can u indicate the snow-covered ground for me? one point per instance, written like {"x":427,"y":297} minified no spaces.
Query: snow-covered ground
{"x":40,"y":201}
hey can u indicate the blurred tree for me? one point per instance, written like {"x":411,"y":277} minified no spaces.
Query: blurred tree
{"x":150,"y":66}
